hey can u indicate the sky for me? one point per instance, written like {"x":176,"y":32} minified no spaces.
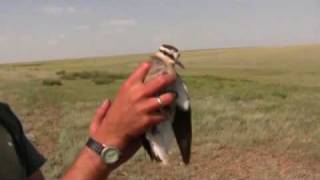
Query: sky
{"x":35,"y":30}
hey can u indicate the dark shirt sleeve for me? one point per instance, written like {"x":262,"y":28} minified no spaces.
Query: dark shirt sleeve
{"x":28,"y":154}
{"x":34,"y":159}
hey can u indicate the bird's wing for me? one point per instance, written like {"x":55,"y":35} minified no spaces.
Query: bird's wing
{"x":157,"y":68}
{"x":182,"y":126}
{"x":146,"y":145}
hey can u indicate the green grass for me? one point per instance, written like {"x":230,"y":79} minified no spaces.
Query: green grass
{"x":255,"y":111}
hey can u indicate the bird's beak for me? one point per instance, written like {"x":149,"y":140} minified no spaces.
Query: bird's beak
{"x":179,"y":64}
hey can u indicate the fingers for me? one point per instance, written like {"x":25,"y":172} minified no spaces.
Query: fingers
{"x":102,"y":110}
{"x":152,"y":104}
{"x":100,"y":114}
{"x":154,"y":120}
{"x":140,"y":73}
{"x":157,"y":84}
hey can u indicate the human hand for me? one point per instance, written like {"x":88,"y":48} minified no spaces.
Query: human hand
{"x":121,"y":124}
{"x":100,"y":114}
{"x":134,"y":110}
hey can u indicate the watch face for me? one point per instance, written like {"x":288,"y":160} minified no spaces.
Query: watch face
{"x":110,"y":155}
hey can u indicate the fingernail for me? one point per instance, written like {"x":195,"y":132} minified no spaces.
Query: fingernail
{"x":146,"y":64}
{"x":105,"y":103}
{"x":175,"y":94}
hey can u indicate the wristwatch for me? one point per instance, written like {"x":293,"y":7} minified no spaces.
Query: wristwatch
{"x":108,"y":154}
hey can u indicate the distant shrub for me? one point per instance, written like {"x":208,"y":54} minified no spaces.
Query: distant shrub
{"x":281,"y":95}
{"x":116,"y":76}
{"x":87,"y":74}
{"x":93,"y":75}
{"x":79,"y":75}
{"x":61,"y":73}
{"x":100,"y":81}
{"x":52,"y":82}
{"x":68,"y":76}
{"x":235,"y":97}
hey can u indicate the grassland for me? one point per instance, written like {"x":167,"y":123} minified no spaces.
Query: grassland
{"x":256,"y":111}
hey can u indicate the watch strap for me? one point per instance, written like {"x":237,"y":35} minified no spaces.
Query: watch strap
{"x":95,"y":146}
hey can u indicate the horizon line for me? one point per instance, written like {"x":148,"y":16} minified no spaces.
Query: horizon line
{"x":26,"y":61}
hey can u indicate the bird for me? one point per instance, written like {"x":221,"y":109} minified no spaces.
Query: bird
{"x":157,"y":140}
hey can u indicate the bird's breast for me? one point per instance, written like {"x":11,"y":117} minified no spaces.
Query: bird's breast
{"x":159,"y":67}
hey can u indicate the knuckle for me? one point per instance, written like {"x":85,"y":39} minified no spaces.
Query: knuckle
{"x":131,"y":95}
{"x":136,"y":94}
{"x":139,"y":108}
{"x":140,"y":94}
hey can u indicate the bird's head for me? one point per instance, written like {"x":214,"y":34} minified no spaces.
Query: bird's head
{"x":172,"y":54}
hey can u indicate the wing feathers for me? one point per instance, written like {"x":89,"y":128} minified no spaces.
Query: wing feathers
{"x":182,"y":128}
{"x":146,"y":145}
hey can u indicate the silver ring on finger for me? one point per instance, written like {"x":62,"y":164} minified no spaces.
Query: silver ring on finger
{"x":160,"y":102}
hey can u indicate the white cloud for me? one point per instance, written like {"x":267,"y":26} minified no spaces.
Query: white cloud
{"x":117,"y":25}
{"x":57,"y":40}
{"x":162,"y":37}
{"x":61,"y":36}
{"x":58,"y":10}
{"x":123,"y":22}
{"x":81,"y":27}
{"x":2,"y":39}
{"x":53,"y":42}
{"x":241,"y":1}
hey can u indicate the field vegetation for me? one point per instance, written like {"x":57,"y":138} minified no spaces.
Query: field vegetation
{"x":255,"y":111}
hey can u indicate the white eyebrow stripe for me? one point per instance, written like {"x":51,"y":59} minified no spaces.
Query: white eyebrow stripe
{"x":170,"y":51}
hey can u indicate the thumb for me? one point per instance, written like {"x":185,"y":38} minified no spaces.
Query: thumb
{"x":98,"y":117}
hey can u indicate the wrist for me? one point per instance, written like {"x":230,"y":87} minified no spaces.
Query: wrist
{"x":88,"y":165}
{"x":96,"y":163}
{"x":109,"y":147}
{"x":111,"y":140}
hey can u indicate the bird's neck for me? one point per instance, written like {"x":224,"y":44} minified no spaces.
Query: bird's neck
{"x":169,"y":62}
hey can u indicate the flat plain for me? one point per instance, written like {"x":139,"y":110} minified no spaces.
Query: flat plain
{"x":255,"y":111}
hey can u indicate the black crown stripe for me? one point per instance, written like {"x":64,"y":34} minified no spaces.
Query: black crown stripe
{"x":167,"y":54}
